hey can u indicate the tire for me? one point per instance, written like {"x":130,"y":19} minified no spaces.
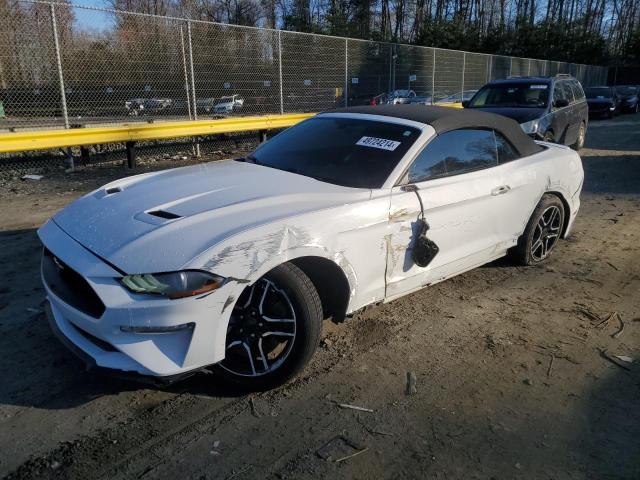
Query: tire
{"x":283,"y":292}
{"x":524,"y":252}
{"x":582,"y":131}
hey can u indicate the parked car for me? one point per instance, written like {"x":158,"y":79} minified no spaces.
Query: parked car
{"x":603,"y":101}
{"x":401,"y":96}
{"x":381,"y":99}
{"x":148,"y":106}
{"x":629,"y":98}
{"x":229,"y":104}
{"x":553,"y":109}
{"x":206,"y":105}
{"x":236,"y":263}
{"x":455,"y":100}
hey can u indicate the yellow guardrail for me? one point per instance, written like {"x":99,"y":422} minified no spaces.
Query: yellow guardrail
{"x":135,"y":132}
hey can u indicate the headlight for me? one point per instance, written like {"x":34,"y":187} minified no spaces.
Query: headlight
{"x":530,"y":127}
{"x":174,"y":284}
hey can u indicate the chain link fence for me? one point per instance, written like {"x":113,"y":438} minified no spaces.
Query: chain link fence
{"x":66,"y":66}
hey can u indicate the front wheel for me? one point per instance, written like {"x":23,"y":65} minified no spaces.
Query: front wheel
{"x":542,"y":232}
{"x":582,"y":131}
{"x":273,"y":331}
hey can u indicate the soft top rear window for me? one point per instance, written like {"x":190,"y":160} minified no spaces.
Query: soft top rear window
{"x":342,"y":151}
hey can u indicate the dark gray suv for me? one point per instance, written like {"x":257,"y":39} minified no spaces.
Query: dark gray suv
{"x":553,"y":109}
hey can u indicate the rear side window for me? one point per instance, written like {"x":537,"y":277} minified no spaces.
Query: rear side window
{"x":506,"y":152}
{"x":453,"y":153}
{"x":578,"y":94}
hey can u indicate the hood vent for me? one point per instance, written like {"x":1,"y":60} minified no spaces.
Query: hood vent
{"x":164,"y":214}
{"x":112,"y":190}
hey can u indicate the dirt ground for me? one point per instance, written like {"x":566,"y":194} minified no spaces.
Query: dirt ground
{"x":515,"y":368}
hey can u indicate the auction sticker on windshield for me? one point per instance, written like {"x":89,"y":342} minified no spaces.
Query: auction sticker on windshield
{"x":381,"y":143}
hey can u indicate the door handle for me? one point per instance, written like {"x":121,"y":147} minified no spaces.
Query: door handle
{"x":500,"y":190}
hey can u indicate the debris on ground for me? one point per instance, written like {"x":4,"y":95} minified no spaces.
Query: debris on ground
{"x":32,"y":177}
{"x":339,"y":446}
{"x":411,"y":384}
{"x":621,"y":329}
{"x":354,"y":407}
{"x":624,"y":358}
{"x":613,"y":359}
{"x":553,"y":357}
{"x":342,"y":459}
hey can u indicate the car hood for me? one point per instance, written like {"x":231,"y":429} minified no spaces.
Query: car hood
{"x":198,"y":207}
{"x":520,"y":115}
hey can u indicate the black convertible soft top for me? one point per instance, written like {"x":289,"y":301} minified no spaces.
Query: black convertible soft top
{"x":444,"y":119}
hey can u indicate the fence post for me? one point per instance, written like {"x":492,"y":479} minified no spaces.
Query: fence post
{"x":346,"y":72}
{"x":488,"y":75}
{"x":433,"y":79}
{"x":529,"y":68}
{"x":56,"y":43}
{"x":186,"y":75}
{"x":280,"y":71}
{"x":193,"y":82}
{"x":464,"y":65}
{"x":63,"y":93}
{"x":510,"y":65}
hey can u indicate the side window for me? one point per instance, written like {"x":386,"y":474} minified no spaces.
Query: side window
{"x":455,"y":152}
{"x":506,"y":152}
{"x":567,"y":93}
{"x":578,"y":94}
{"x":558,"y":92}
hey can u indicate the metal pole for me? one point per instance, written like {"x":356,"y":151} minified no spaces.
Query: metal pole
{"x":186,"y":74}
{"x":464,"y":65}
{"x":63,"y":95}
{"x":346,"y":72}
{"x":510,"y":65}
{"x":193,"y":82}
{"x":488,"y":75}
{"x":280,"y":72}
{"x":390,"y":64}
{"x":529,"y":68}
{"x":433,"y":79}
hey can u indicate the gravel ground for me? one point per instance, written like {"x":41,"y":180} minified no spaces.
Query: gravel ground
{"x":515,"y":370}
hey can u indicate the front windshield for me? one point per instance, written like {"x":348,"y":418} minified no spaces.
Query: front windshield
{"x":598,"y":92}
{"x":627,"y":90}
{"x":520,"y":95}
{"x":343,"y":151}
{"x":226,"y":99}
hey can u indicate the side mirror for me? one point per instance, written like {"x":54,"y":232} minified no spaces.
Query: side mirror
{"x":465,"y":103}
{"x":561,"y":103}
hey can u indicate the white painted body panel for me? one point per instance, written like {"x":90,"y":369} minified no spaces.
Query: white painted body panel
{"x":240,"y":220}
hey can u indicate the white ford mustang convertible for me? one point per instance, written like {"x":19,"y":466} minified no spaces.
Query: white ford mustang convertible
{"x":235,"y":264}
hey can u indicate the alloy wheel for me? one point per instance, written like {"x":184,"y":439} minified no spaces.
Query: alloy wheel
{"x":581,"y":135}
{"x":261,"y":330}
{"x":546,"y":233}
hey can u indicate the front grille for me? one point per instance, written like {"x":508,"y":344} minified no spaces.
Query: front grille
{"x":70,"y":286}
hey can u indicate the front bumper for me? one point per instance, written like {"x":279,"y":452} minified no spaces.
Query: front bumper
{"x":98,"y":337}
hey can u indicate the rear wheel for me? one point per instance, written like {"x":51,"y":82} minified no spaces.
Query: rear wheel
{"x":273,"y":331}
{"x":582,"y":131}
{"x":542,"y":232}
